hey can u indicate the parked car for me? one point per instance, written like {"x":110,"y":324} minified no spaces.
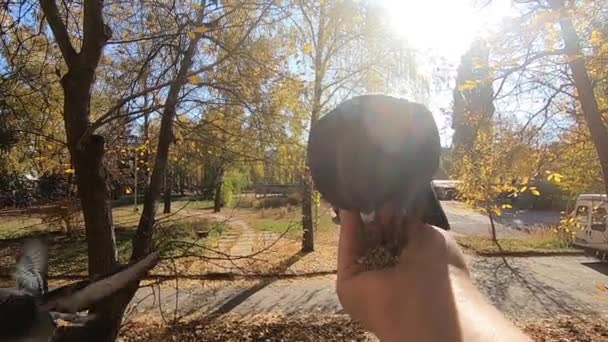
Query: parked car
{"x":591,"y":212}
{"x":446,"y":189}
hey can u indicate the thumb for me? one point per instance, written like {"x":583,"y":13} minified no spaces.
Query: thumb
{"x":350,"y":245}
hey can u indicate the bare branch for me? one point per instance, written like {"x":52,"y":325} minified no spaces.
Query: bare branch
{"x":59,"y":30}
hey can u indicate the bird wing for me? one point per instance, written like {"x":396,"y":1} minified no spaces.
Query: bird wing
{"x":84,"y":294}
{"x":31,"y":269}
{"x":17,"y":313}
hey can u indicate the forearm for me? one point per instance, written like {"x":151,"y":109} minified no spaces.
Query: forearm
{"x":444,"y":305}
{"x":480,"y":321}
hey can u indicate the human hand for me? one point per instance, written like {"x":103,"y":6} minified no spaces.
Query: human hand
{"x":415,"y":291}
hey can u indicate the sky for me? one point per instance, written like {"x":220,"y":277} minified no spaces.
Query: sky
{"x":445,"y":28}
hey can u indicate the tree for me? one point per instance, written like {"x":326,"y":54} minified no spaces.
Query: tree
{"x":582,"y":82}
{"x":153,"y":60}
{"x":87,"y":154}
{"x":485,"y":147}
{"x":349,"y":51}
{"x":473,"y":97}
{"x":549,"y":60}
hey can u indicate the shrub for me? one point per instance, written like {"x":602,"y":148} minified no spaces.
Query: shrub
{"x":234,"y":183}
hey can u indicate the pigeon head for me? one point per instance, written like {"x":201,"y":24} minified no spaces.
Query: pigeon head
{"x":377,"y":151}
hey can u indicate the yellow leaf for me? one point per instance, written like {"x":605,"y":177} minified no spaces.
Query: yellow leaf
{"x":195,"y":79}
{"x":191,"y":35}
{"x":523,"y":189}
{"x":507,"y":206}
{"x":526,"y":180}
{"x":535,"y":192}
{"x":468,"y":85}
{"x":69,"y":171}
{"x":307,"y":48}
{"x":596,"y":38}
{"x":497,"y":211}
{"x":201,"y":29}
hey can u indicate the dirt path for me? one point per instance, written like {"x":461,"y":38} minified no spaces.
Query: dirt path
{"x":238,"y":241}
{"x":539,"y":287}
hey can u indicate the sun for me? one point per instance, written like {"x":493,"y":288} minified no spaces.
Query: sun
{"x":445,"y":27}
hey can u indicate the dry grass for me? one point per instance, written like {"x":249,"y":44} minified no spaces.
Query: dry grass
{"x":334,"y":327}
{"x":565,"y":328}
{"x":267,"y":327}
{"x":174,"y":237}
{"x":541,"y":241}
{"x":282,"y":241}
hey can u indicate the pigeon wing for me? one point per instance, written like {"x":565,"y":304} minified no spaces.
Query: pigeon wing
{"x":31,"y":269}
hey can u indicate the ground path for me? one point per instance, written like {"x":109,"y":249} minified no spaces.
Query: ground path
{"x":511,"y":224}
{"x":240,"y":239}
{"x":538,"y":287}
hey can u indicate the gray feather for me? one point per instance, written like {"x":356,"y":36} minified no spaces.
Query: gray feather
{"x":100,"y":289}
{"x":31,"y":269}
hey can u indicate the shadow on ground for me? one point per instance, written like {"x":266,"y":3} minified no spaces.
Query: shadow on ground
{"x":600,"y":267}
{"x":516,"y":289}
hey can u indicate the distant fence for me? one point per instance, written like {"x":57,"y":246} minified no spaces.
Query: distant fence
{"x":263,"y":190}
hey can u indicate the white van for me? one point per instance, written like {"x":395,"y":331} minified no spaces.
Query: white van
{"x":591,"y":212}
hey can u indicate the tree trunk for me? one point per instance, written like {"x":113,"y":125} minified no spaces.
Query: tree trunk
{"x":584,"y":88}
{"x":142,"y":242}
{"x":168,"y":190}
{"x":308,"y":242}
{"x":87,"y":154}
{"x":182,"y":183}
{"x":219,"y":182}
{"x":492,"y":226}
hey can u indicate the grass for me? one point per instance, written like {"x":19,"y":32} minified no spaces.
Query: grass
{"x":291,"y":228}
{"x":15,"y":226}
{"x":286,"y":219}
{"x":191,"y":204}
{"x":537,"y":243}
{"x":67,"y":254}
{"x":174,"y":236}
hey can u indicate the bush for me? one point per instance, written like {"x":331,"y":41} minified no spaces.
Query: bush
{"x":295,"y":198}
{"x":234,"y":183}
{"x":244,"y":202}
{"x":53,"y":186}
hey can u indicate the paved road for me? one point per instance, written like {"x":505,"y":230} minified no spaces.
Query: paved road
{"x":510,"y":224}
{"x":537,"y":287}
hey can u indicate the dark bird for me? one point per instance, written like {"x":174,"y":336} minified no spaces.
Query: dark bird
{"x":376,"y":151}
{"x":28,"y":311}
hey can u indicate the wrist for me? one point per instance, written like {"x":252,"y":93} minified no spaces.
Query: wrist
{"x":426,"y":308}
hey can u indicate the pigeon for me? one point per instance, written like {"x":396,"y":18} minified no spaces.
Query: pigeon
{"x":29,"y":311}
{"x":374,"y":152}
